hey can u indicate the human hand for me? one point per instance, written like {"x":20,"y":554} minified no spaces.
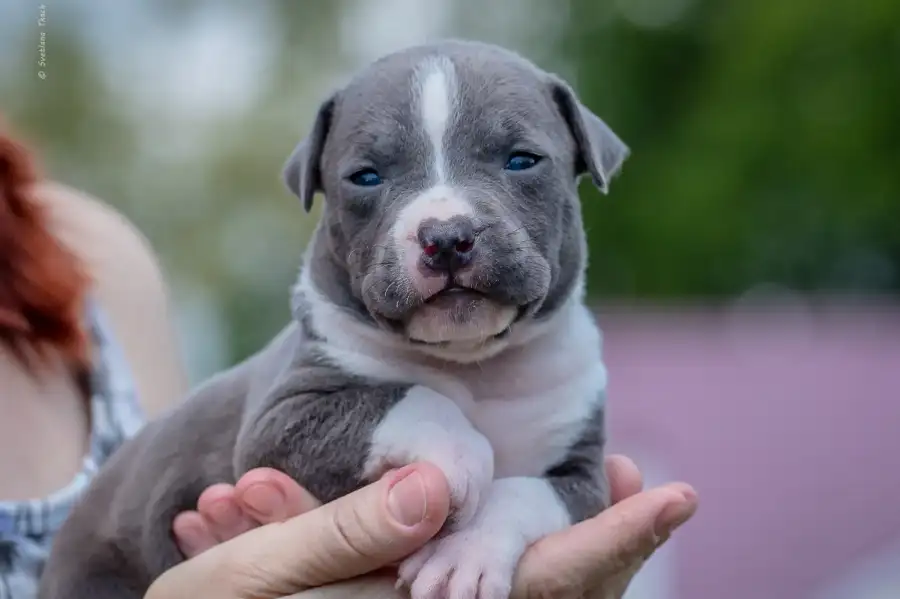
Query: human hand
{"x":595,"y":559}
{"x":598,"y":558}
{"x":262,"y":496}
{"x":356,"y":534}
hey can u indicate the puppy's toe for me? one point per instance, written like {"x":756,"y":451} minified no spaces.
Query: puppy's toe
{"x":467,"y":565}
{"x":464,"y":583}
{"x":410,"y":567}
{"x":431,"y":582}
{"x":474,"y":579}
{"x":495,"y":584}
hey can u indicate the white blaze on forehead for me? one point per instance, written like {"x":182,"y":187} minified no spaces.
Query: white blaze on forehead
{"x":436,"y":94}
{"x":436,"y":79}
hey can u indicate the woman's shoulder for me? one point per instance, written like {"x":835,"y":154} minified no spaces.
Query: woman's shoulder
{"x":128,"y":284}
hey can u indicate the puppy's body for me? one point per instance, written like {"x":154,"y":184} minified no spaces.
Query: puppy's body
{"x":438,"y":317}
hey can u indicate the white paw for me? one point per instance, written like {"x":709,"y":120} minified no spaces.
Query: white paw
{"x":475,"y":563}
{"x":466,"y":458}
{"x":427,"y":426}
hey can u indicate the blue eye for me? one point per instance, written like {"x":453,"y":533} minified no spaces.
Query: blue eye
{"x":367,"y":177}
{"x":521,"y":161}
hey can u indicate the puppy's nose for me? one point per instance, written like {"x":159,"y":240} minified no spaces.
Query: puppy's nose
{"x":447,"y":244}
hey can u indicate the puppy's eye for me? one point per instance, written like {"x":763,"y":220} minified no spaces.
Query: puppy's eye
{"x":522,"y":161}
{"x":367,"y":177}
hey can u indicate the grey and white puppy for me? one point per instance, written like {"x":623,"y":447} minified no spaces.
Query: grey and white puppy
{"x":438,"y":316}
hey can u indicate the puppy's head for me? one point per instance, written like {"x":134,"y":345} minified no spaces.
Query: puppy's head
{"x":450,"y":176}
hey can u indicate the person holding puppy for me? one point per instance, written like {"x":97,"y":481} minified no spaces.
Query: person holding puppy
{"x":87,"y":354}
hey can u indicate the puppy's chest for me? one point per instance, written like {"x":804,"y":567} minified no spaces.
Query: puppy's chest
{"x":531,"y":418}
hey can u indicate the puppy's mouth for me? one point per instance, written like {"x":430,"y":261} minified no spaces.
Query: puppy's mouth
{"x":453,"y":295}
{"x":463,"y":307}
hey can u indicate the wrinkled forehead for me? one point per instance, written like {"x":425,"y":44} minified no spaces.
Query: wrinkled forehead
{"x":454,"y":96}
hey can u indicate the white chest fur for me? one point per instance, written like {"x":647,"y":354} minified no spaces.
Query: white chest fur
{"x":532,"y":432}
{"x":531,"y":401}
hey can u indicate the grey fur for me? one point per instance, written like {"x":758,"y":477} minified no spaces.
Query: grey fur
{"x":315,"y":425}
{"x":531,"y":222}
{"x":286,"y":407}
{"x":289,"y":407}
{"x":580,"y":479}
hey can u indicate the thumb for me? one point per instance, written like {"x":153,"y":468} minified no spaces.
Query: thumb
{"x":592,"y":553}
{"x":358,"y":533}
{"x":364,"y":531}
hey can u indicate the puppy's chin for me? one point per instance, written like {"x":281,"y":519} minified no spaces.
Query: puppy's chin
{"x":460,"y":318}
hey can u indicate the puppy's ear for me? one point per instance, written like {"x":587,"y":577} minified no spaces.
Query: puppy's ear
{"x":600,"y":151}
{"x":302,"y":172}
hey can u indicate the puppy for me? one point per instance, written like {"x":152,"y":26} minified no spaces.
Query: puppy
{"x":438,"y":316}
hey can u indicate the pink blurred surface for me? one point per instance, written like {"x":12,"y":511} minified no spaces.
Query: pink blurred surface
{"x":787,"y":421}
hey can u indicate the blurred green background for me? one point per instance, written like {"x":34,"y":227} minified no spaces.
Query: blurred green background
{"x":765,"y":135}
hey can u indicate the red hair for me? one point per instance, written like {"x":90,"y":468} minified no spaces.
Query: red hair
{"x":42,"y":283}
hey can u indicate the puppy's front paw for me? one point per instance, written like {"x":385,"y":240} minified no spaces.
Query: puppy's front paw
{"x":473,"y":563}
{"x":467,"y":460}
{"x":426,"y":426}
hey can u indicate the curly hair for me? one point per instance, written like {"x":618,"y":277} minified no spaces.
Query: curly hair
{"x":42,"y":283}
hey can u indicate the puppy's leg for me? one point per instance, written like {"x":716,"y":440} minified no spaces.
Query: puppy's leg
{"x":334,"y":433}
{"x":427,"y":426}
{"x":118,"y":537}
{"x":479,"y":561}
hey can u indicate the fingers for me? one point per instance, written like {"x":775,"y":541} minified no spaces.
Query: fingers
{"x":261,"y":496}
{"x":267,"y":495}
{"x":192,"y":534}
{"x":366,"y":530}
{"x":624,"y":477}
{"x":226,"y":519}
{"x":586,"y":555}
{"x":218,"y":518}
{"x":353,"y":535}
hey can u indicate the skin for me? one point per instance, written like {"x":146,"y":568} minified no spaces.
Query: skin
{"x":48,"y":411}
{"x":357,"y":534}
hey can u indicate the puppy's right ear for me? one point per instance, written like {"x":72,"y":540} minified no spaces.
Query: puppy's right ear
{"x":302,"y":172}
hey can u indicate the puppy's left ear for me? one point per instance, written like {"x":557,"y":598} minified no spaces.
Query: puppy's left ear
{"x":302,"y":173}
{"x":600,"y":151}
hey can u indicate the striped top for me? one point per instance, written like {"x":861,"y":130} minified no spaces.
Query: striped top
{"x":27,"y":528}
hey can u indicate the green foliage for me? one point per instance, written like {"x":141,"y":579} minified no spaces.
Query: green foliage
{"x":766,"y":147}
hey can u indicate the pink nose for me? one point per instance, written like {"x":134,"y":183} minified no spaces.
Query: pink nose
{"x":447,"y":245}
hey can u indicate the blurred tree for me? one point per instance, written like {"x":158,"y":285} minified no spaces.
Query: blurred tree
{"x":70,"y":113}
{"x":766,"y":146}
{"x":205,"y":188}
{"x":249,"y":173}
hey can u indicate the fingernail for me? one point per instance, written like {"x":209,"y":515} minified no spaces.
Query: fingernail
{"x":263,"y":499}
{"x":406,"y":500}
{"x":673,"y":516}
